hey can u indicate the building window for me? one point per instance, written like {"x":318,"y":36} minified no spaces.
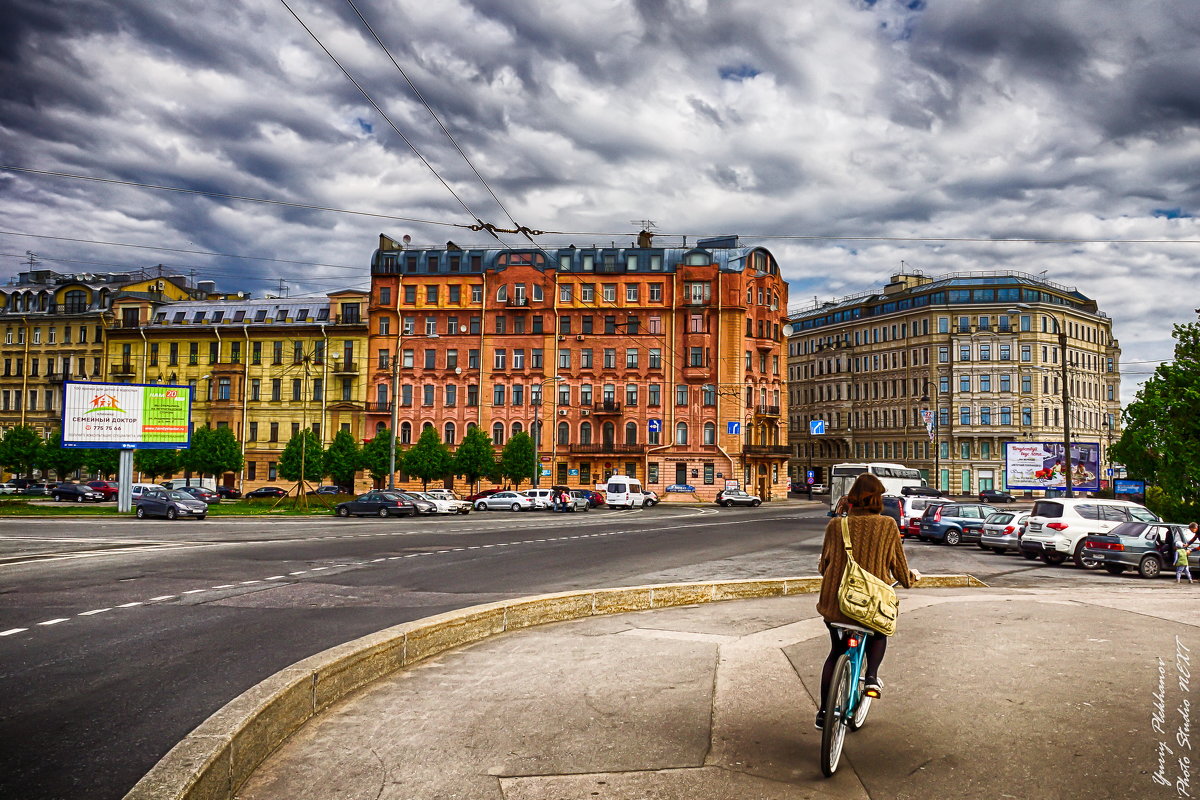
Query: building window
{"x":681,"y":433}
{"x":964,"y":415}
{"x":710,"y":433}
{"x":276,"y":389}
{"x":223,"y":388}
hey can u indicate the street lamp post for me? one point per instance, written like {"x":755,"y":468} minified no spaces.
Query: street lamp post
{"x":937,"y":472}
{"x":1068,"y":482}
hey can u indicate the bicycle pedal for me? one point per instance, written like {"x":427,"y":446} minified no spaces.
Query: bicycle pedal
{"x":873,"y":692}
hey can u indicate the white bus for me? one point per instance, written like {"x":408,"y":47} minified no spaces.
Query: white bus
{"x":893,"y":476}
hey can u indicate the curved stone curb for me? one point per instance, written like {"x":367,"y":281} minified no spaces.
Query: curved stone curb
{"x":216,"y":759}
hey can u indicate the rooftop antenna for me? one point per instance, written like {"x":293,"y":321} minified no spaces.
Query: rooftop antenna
{"x":283,"y":288}
{"x":32,"y":258}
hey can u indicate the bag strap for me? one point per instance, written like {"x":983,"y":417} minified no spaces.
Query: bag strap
{"x":846,"y":539}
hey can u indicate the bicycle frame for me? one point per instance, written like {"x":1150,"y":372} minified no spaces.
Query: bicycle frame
{"x":856,"y":651}
{"x":846,"y":704}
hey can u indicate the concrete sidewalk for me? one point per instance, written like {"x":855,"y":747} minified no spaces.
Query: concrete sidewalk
{"x":989,"y":694}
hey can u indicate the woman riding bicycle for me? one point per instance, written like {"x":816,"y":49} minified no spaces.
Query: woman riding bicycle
{"x":875,"y":541}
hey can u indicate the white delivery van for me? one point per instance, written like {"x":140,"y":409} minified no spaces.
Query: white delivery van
{"x":138,"y":488}
{"x":623,"y":491}
{"x":206,"y":483}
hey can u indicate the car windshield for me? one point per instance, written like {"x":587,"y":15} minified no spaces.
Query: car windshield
{"x":998,"y":519}
{"x":178,"y":496}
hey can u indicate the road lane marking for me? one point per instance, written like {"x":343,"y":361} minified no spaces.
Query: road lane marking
{"x":94,"y":611}
{"x":275,"y":578}
{"x":129,"y":605}
{"x":194,"y":591}
{"x":163,"y":597}
{"x":11,"y":631}
{"x":225,"y":585}
{"x":53,"y":621}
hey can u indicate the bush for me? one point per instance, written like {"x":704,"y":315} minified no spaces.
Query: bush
{"x":1171,"y":509}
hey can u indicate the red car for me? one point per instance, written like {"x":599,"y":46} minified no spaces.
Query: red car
{"x":107,"y":488}
{"x":481,"y":495}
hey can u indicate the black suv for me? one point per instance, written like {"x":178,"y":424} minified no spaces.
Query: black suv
{"x":76,"y":492}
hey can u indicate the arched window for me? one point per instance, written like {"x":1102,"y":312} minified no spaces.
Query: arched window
{"x":450,"y":433}
{"x":681,"y":433}
{"x":498,"y":433}
{"x":710,"y":433}
{"x":517,"y":428}
{"x":608,"y":432}
{"x":630,"y":433}
{"x":535,"y":430}
{"x":426,"y":426}
{"x":405,"y":432}
{"x":502,"y":293}
{"x":471,"y":426}
{"x":380,"y":427}
{"x":585,"y":433}
{"x":75,"y":301}
{"x":564,"y":433}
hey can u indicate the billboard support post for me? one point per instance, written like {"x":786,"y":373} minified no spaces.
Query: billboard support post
{"x":125,"y":482}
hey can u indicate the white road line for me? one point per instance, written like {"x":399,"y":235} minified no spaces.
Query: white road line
{"x":275,"y":578}
{"x":374,"y":560}
{"x":225,"y":586}
{"x":245,"y":582}
{"x":163,"y":597}
{"x":53,"y":621}
{"x":318,"y":569}
{"x":128,"y":605}
{"x":194,"y":591}
{"x":11,"y":631}
{"x":94,"y":611}
{"x":301,"y":572}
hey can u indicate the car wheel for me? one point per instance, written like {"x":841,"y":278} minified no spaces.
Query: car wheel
{"x":1029,"y":556}
{"x":172,"y":513}
{"x":383,"y":512}
{"x":756,"y":503}
{"x":587,"y":507}
{"x":141,"y":512}
{"x":1053,"y":559}
{"x":1080,"y":560}
{"x":466,"y":511}
{"x":515,"y":507}
{"x":998,"y":551}
{"x":79,"y":498}
{"x":1114,"y":569}
{"x":727,"y":503}
{"x":202,"y":516}
{"x":1149,"y":567}
{"x":953,"y":537}
{"x":481,"y":506}
{"x":343,"y":511}
{"x":984,"y":547}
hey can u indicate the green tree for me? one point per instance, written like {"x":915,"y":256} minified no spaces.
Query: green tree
{"x":518,"y":461}
{"x":62,"y":461}
{"x":303,"y":448}
{"x":104,"y":461}
{"x":429,"y":459}
{"x":1161,"y":439}
{"x":375,"y":455}
{"x":342,"y":459}
{"x":156,"y":463}
{"x":20,"y":450}
{"x":475,"y":457}
{"x":214,"y":451}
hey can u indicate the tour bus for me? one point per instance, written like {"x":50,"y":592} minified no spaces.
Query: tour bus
{"x":893,"y":476}
{"x":623,"y":491}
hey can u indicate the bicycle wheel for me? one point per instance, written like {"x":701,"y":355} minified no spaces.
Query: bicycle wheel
{"x":860,"y":712}
{"x":836,"y":703}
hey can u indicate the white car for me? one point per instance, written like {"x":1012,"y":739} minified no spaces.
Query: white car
{"x":541,"y":498}
{"x":505,"y":501}
{"x":1057,"y":527}
{"x":8,"y":488}
{"x":443,"y":504}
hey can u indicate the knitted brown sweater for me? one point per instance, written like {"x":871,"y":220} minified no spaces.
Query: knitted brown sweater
{"x":875,"y":542}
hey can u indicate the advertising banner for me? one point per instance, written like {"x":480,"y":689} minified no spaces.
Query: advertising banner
{"x":1041,"y":465}
{"x":129,"y":416}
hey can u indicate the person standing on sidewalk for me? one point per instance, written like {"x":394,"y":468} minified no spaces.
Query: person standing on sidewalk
{"x":877,"y":547}
{"x":1181,"y":564}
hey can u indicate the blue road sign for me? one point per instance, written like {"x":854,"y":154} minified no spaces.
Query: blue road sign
{"x":811,"y":475}
{"x":654,"y":425}
{"x":733,"y":428}
{"x":816,"y":427}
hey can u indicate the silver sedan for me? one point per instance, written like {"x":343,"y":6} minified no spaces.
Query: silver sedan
{"x":1001,"y":531}
{"x":505,"y":501}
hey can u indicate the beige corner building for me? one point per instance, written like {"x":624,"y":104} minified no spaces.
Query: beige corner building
{"x":979,"y":354}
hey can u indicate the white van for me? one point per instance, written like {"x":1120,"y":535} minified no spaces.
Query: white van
{"x":623,"y":491}
{"x":206,"y":483}
{"x":136,"y":489}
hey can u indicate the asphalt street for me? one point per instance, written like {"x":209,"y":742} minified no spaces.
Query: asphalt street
{"x":117,"y":637}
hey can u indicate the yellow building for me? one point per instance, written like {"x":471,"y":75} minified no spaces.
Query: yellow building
{"x":54,"y":326}
{"x":263,"y":368}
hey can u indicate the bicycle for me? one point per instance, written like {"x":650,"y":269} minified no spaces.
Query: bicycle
{"x":847,"y":703}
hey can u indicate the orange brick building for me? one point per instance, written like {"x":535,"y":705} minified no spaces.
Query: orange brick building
{"x":662,"y":363}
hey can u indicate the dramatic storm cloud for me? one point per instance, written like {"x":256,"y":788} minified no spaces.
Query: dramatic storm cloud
{"x":911,"y":132}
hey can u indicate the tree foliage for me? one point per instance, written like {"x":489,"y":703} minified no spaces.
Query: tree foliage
{"x":375,"y":455}
{"x":518,"y":461}
{"x":62,"y":461}
{"x":475,"y":457}
{"x":213,"y":452}
{"x":20,"y":449}
{"x":429,"y":459}
{"x":104,"y":461}
{"x":302,"y":457}
{"x":156,"y":463}
{"x":1161,"y":439}
{"x":342,"y":459}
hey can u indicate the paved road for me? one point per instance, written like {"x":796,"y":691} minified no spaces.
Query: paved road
{"x":118,"y":637}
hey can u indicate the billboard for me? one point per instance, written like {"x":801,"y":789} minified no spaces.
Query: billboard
{"x":1040,"y":465}
{"x":129,"y":416}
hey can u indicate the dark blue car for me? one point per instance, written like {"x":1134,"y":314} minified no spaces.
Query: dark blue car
{"x":954,"y":523}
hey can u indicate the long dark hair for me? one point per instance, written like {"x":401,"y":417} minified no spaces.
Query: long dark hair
{"x":866,"y":494}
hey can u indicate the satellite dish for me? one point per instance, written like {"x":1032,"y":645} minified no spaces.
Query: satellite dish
{"x":462,"y":328}
{"x":406,"y":239}
{"x":788,"y":330}
{"x":458,"y":370}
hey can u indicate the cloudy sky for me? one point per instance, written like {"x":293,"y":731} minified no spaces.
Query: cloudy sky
{"x":848,"y":136}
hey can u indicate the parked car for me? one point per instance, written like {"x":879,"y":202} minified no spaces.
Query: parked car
{"x":228,"y":493}
{"x":954,"y":523}
{"x":1001,"y":531}
{"x":1057,"y":528}
{"x":107,"y":488}
{"x":995,"y":496}
{"x":206,"y":496}
{"x":541,"y":498}
{"x":137,"y":489}
{"x":914,"y":509}
{"x":36,"y":489}
{"x":443,"y":504}
{"x":168,"y":503}
{"x":511,"y":501}
{"x":624,"y":491}
{"x":921,"y":491}
{"x":481,"y":494}
{"x":820,"y":488}
{"x":422,"y":505}
{"x":328,"y":490}
{"x":8,"y":488}
{"x":595,"y":499}
{"x":737,"y":497}
{"x":651,"y":499}
{"x":1145,"y":546}
{"x":580,"y":500}
{"x":893,"y":506}
{"x":76,"y":492}
{"x":378,"y":504}
{"x":266,"y":491}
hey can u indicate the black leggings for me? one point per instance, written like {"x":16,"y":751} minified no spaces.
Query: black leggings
{"x":876,"y":647}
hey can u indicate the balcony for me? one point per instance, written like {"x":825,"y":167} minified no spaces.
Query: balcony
{"x":766,"y":411}
{"x":122,"y":369}
{"x":339,"y":367}
{"x":781,"y":450}
{"x":517,"y":302}
{"x":605,"y":449}
{"x":606,"y":407}
{"x":376,"y":407}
